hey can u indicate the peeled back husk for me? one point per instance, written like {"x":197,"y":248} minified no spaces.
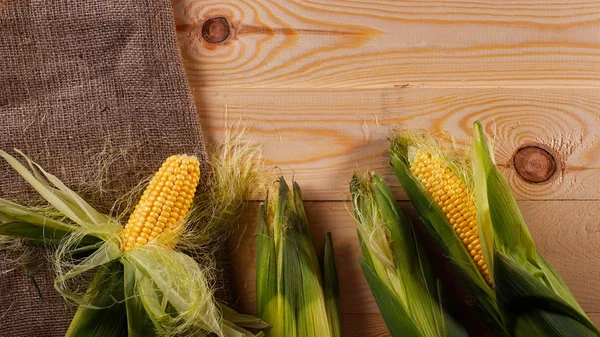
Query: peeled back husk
{"x":533,"y":298}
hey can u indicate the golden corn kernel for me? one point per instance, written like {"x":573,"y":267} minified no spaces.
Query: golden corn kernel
{"x":162,"y":206}
{"x":454,"y":198}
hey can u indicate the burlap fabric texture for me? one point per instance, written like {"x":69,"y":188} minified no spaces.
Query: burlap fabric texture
{"x":81,"y":81}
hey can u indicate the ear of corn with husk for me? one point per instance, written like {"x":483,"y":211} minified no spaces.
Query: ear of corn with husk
{"x":394,"y":264}
{"x":292,"y":294}
{"x":139,"y":284}
{"x":533,"y":298}
{"x":518,"y":292}
{"x":437,"y":182}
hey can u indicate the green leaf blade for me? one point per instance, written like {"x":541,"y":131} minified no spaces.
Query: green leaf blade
{"x":139,"y":323}
{"x":397,"y":319}
{"x":53,"y":196}
{"x":40,"y":235}
{"x":482,"y":163}
{"x":529,"y":305}
{"x":106,"y":292}
{"x":533,"y":298}
{"x":331,"y":288}
{"x":266,"y":272}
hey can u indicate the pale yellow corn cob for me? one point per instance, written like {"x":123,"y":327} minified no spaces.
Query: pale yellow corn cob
{"x":165,"y":202}
{"x":456,"y":201}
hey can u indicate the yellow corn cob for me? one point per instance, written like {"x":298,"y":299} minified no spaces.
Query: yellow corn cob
{"x":165,"y":202}
{"x":456,"y":201}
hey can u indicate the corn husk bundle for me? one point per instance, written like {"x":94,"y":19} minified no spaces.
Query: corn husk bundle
{"x":292,"y":293}
{"x":395,"y":267}
{"x":467,"y":206}
{"x":141,"y":279}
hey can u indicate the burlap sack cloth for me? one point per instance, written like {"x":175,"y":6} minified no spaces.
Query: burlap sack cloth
{"x":80,"y":81}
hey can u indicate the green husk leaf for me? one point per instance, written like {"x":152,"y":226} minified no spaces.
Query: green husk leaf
{"x":92,"y":215}
{"x":290,"y":282}
{"x":152,"y":300}
{"x":331,"y":288}
{"x":397,"y":319}
{"x":531,"y":307}
{"x":231,"y":330}
{"x":10,"y":211}
{"x":482,"y":164}
{"x":531,"y":294}
{"x":307,"y":297}
{"x":417,"y":284}
{"x":556,"y":283}
{"x":312,"y":313}
{"x":510,"y":234}
{"x":139,"y":324}
{"x":55,"y":197}
{"x":181,"y":285}
{"x":231,"y":316}
{"x":105,"y":291}
{"x":39,"y":235}
{"x":109,"y":251}
{"x":266,"y":272}
{"x":452,"y":327}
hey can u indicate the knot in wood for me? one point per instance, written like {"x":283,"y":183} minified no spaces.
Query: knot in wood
{"x":216,"y":30}
{"x":534,"y":164}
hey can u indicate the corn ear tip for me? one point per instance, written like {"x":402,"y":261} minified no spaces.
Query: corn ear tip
{"x":479,"y":135}
{"x":328,"y":239}
{"x":283,"y":185}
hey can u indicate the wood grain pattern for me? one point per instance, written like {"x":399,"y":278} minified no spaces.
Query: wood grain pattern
{"x":324,"y":135}
{"x":569,"y":242}
{"x":595,"y":318}
{"x":368,"y":325}
{"x":358,"y":43}
{"x":321,"y":84}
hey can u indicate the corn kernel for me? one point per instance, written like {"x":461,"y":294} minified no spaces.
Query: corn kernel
{"x":456,"y":201}
{"x":164,"y":203}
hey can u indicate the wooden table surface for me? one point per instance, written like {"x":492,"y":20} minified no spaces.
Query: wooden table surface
{"x":323,"y":82}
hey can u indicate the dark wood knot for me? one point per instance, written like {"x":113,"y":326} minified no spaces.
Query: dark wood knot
{"x":534,"y":164}
{"x":216,"y":30}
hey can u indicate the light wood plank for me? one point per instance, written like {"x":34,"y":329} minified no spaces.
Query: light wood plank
{"x":565,"y":232}
{"x":568,"y":235}
{"x":325,"y":135}
{"x":370,"y":325}
{"x":358,"y":43}
{"x":595,"y":317}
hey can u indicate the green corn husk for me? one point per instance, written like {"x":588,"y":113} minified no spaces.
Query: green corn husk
{"x":403,"y":146}
{"x":533,"y":298}
{"x":331,"y":288}
{"x":105,"y":289}
{"x":394,"y":264}
{"x":292,"y":294}
{"x":152,"y":290}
